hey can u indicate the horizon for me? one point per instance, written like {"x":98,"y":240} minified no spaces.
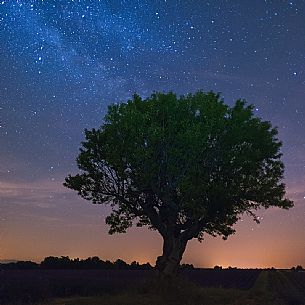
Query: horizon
{"x":7,"y":261}
{"x":151,"y":254}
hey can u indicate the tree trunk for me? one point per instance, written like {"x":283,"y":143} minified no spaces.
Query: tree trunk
{"x":173,"y":249}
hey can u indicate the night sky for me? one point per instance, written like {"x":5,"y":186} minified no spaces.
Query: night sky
{"x":63,"y":62}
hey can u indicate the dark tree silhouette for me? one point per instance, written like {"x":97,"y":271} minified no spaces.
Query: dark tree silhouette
{"x":19,"y":265}
{"x":299,"y":268}
{"x":64,"y":262}
{"x":184,"y":166}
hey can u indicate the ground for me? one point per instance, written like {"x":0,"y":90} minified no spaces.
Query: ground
{"x":271,"y":287}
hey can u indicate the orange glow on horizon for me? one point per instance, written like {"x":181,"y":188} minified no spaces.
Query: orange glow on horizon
{"x":41,"y":229}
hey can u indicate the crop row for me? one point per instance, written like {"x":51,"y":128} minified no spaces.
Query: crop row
{"x":39,"y":285}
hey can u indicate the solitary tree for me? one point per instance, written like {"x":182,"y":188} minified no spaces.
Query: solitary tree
{"x":185,"y":167}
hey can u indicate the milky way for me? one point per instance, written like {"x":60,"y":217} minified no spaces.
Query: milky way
{"x":63,"y":62}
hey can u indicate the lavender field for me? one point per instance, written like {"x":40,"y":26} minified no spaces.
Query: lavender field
{"x":227,"y":278}
{"x":30,"y":286}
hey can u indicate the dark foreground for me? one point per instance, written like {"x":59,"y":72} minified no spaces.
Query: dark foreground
{"x":115,"y":287}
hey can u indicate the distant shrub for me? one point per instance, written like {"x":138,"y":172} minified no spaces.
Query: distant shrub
{"x":271,"y":269}
{"x":20,"y":265}
{"x":187,"y":267}
{"x":64,"y":262}
{"x":217,"y":267}
{"x":232,"y":268}
{"x":297,"y":268}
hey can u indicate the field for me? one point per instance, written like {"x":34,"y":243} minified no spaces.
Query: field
{"x":38,"y":285}
{"x":119,"y":287}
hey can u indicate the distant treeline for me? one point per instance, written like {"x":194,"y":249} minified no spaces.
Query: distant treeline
{"x":64,"y":262}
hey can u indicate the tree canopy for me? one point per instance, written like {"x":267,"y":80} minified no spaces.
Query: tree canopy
{"x":185,"y":166}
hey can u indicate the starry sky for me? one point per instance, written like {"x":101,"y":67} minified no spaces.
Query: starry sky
{"x":63,"y":62}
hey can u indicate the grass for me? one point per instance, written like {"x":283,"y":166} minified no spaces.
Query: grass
{"x":186,"y":293}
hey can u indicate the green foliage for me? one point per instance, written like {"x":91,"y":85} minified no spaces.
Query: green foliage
{"x":190,"y":165}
